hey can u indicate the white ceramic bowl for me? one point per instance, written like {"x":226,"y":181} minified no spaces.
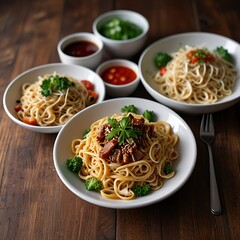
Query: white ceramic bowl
{"x":174,"y":43}
{"x":119,"y":90}
{"x":90,"y":61}
{"x":13,"y":90}
{"x":123,"y":48}
{"x":73,"y":129}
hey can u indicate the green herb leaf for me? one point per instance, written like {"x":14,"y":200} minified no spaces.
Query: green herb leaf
{"x":113,"y":122}
{"x":122,"y":137}
{"x":129,"y":108}
{"x":114,"y":132}
{"x":122,"y":129}
{"x":133,"y":133}
{"x":148,"y":115}
{"x":53,"y":83}
{"x":46,"y":87}
{"x":125,"y":123}
{"x":86,"y":133}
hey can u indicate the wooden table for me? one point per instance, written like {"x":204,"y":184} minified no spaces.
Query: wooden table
{"x":35,"y":204}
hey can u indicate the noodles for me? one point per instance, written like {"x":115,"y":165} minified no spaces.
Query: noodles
{"x":141,"y":159}
{"x":53,"y":100}
{"x":195,"y":75}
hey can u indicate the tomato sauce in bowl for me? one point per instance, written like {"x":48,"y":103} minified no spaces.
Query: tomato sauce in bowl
{"x":118,"y":75}
{"x":80,"y":49}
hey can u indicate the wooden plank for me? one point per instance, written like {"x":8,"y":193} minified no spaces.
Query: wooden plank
{"x":220,"y":17}
{"x":166,"y":17}
{"x":35,"y":204}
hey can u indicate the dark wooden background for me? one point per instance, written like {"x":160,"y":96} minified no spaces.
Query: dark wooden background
{"x":34,"y":203}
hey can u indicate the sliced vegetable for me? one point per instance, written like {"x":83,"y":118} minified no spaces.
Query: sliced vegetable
{"x":18,"y":107}
{"x":199,"y":56}
{"x":163,"y":70}
{"x":118,"y":29}
{"x":93,"y":96}
{"x":88,"y":85}
{"x":30,"y":121}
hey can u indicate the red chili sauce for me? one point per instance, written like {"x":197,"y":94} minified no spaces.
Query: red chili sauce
{"x":80,"y":49}
{"x":118,"y":75}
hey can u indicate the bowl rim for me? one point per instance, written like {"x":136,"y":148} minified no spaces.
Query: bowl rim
{"x":78,"y":35}
{"x":172,"y":101}
{"x":42,"y":129}
{"x":111,"y":14}
{"x":109,"y":63}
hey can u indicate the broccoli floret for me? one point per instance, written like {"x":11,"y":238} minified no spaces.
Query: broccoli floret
{"x":129,"y":108}
{"x":224,"y":54}
{"x":93,"y":184}
{"x":141,"y":190}
{"x":148,"y":115}
{"x":167,"y":168}
{"x":74,"y":164}
{"x":162,"y":59}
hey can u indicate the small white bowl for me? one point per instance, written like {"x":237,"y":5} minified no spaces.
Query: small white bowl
{"x":90,"y":61}
{"x":13,"y":90}
{"x":123,"y":48}
{"x":172,"y":44}
{"x":124,"y":89}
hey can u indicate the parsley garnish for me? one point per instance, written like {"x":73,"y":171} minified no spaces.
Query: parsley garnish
{"x":148,"y":115}
{"x":129,"y":108}
{"x":55,"y":82}
{"x":123,"y":129}
{"x":86,"y":133}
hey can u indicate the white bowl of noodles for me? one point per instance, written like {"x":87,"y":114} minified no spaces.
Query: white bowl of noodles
{"x":65,"y":103}
{"x":173,"y":44}
{"x":72,"y":130}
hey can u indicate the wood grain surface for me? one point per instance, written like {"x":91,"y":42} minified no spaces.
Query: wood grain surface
{"x":35,"y":204}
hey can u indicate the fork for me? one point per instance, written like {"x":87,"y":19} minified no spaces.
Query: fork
{"x":207,"y":134}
